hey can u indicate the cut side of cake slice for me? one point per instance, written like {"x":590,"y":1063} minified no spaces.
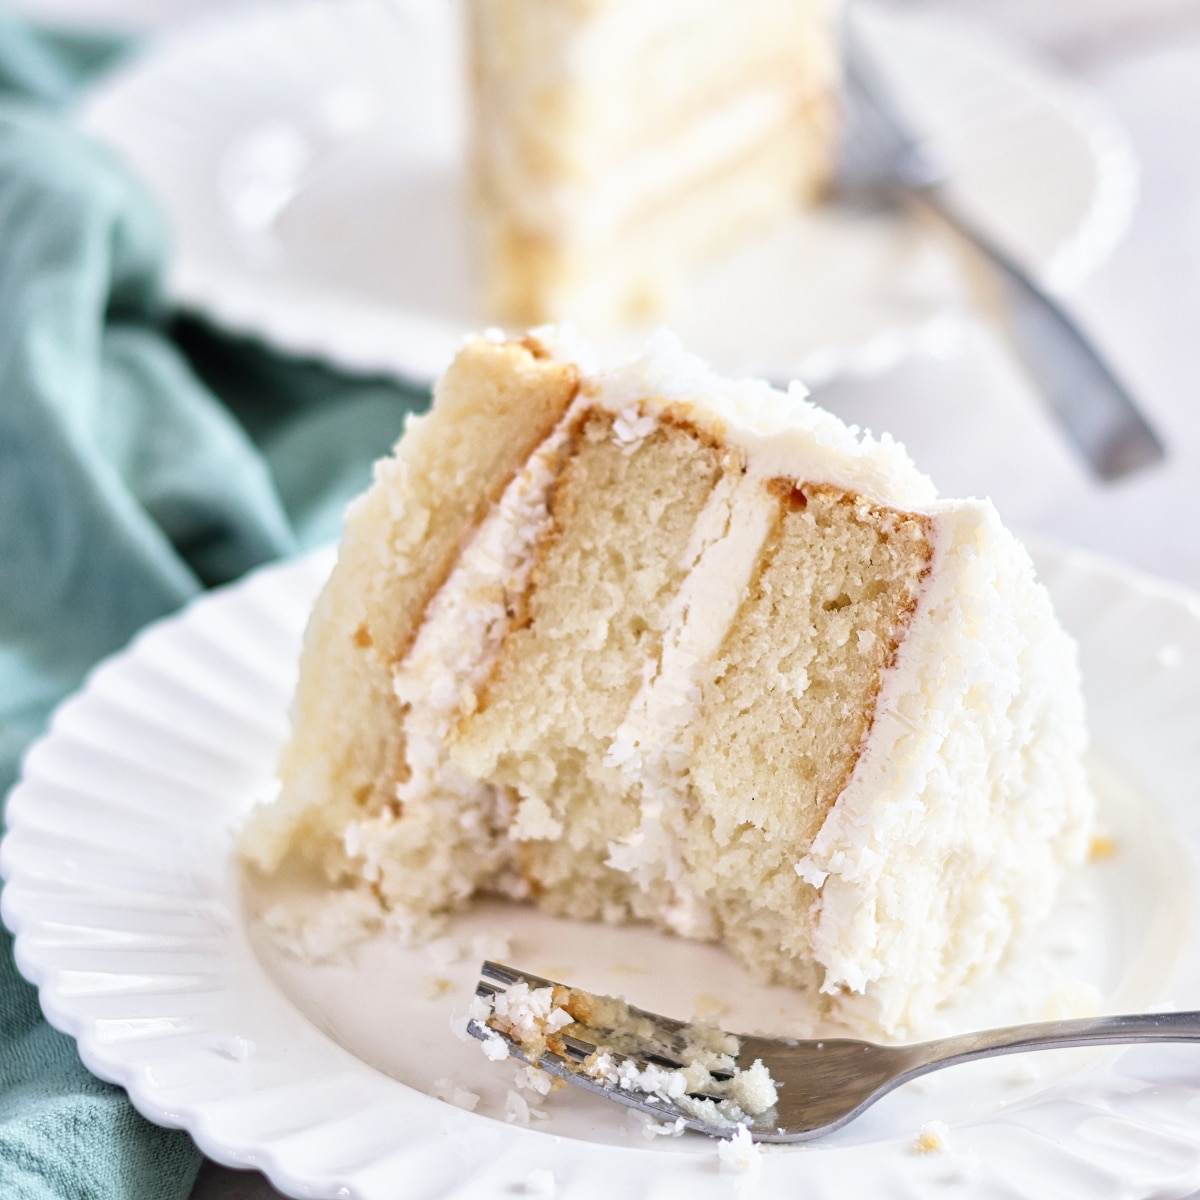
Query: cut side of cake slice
{"x":636,"y":643}
{"x":617,"y":143}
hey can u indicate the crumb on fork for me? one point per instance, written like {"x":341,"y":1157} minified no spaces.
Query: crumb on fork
{"x":708,"y":1085}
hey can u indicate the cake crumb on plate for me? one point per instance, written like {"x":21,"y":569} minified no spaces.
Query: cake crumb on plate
{"x":433,"y":987}
{"x":708,"y":1007}
{"x":534,"y":1079}
{"x":932,"y":1138}
{"x":518,"y":1110}
{"x":739,"y":1153}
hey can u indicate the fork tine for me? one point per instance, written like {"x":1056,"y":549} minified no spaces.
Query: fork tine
{"x":652,"y":1028}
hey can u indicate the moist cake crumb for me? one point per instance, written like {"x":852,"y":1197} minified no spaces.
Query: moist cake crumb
{"x":708,"y":1084}
{"x":932,"y":1138}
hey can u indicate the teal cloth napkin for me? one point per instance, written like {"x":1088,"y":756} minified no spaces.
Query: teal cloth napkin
{"x":142,"y":459}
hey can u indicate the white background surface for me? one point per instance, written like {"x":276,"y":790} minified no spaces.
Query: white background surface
{"x":971,"y":421}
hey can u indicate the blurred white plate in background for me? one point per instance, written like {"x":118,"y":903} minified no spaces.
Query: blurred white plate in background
{"x":309,"y":157}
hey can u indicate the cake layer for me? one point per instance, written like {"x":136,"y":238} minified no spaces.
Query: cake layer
{"x":624,"y":249}
{"x":567,"y":91}
{"x":401,"y":540}
{"x":623,"y":512}
{"x":970,"y":799}
{"x":617,"y":143}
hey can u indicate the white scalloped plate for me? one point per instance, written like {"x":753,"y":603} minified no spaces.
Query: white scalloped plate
{"x":309,"y":159}
{"x":149,"y":948}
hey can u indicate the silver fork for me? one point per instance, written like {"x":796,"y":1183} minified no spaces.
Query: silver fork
{"x":882,"y":157}
{"x":821,"y":1085}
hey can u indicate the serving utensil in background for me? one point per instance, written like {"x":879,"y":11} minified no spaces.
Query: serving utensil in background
{"x":882,"y":157}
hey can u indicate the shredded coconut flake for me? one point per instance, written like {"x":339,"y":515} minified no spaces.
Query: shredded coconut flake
{"x":327,"y":933}
{"x":527,"y":1013}
{"x":810,"y":872}
{"x":495,"y":1048}
{"x":1024,"y":1070}
{"x":454,"y":1093}
{"x":531,"y":1079}
{"x":630,"y":429}
{"x":654,"y":1129}
{"x":739,"y":1153}
{"x":518,"y":1110}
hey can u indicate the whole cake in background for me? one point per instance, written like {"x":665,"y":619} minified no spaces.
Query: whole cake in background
{"x":616,"y":143}
{"x":638,"y":643}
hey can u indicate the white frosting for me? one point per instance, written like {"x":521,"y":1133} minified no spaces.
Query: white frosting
{"x":466,"y":621}
{"x":782,"y":434}
{"x":594,"y":208}
{"x":987,"y":688}
{"x":725,"y":545}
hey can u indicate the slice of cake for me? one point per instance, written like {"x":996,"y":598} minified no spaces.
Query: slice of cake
{"x":637,"y":643}
{"x":618,"y":142}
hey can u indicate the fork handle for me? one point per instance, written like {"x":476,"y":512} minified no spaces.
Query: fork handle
{"x":1052,"y":1035}
{"x":1088,"y":399}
